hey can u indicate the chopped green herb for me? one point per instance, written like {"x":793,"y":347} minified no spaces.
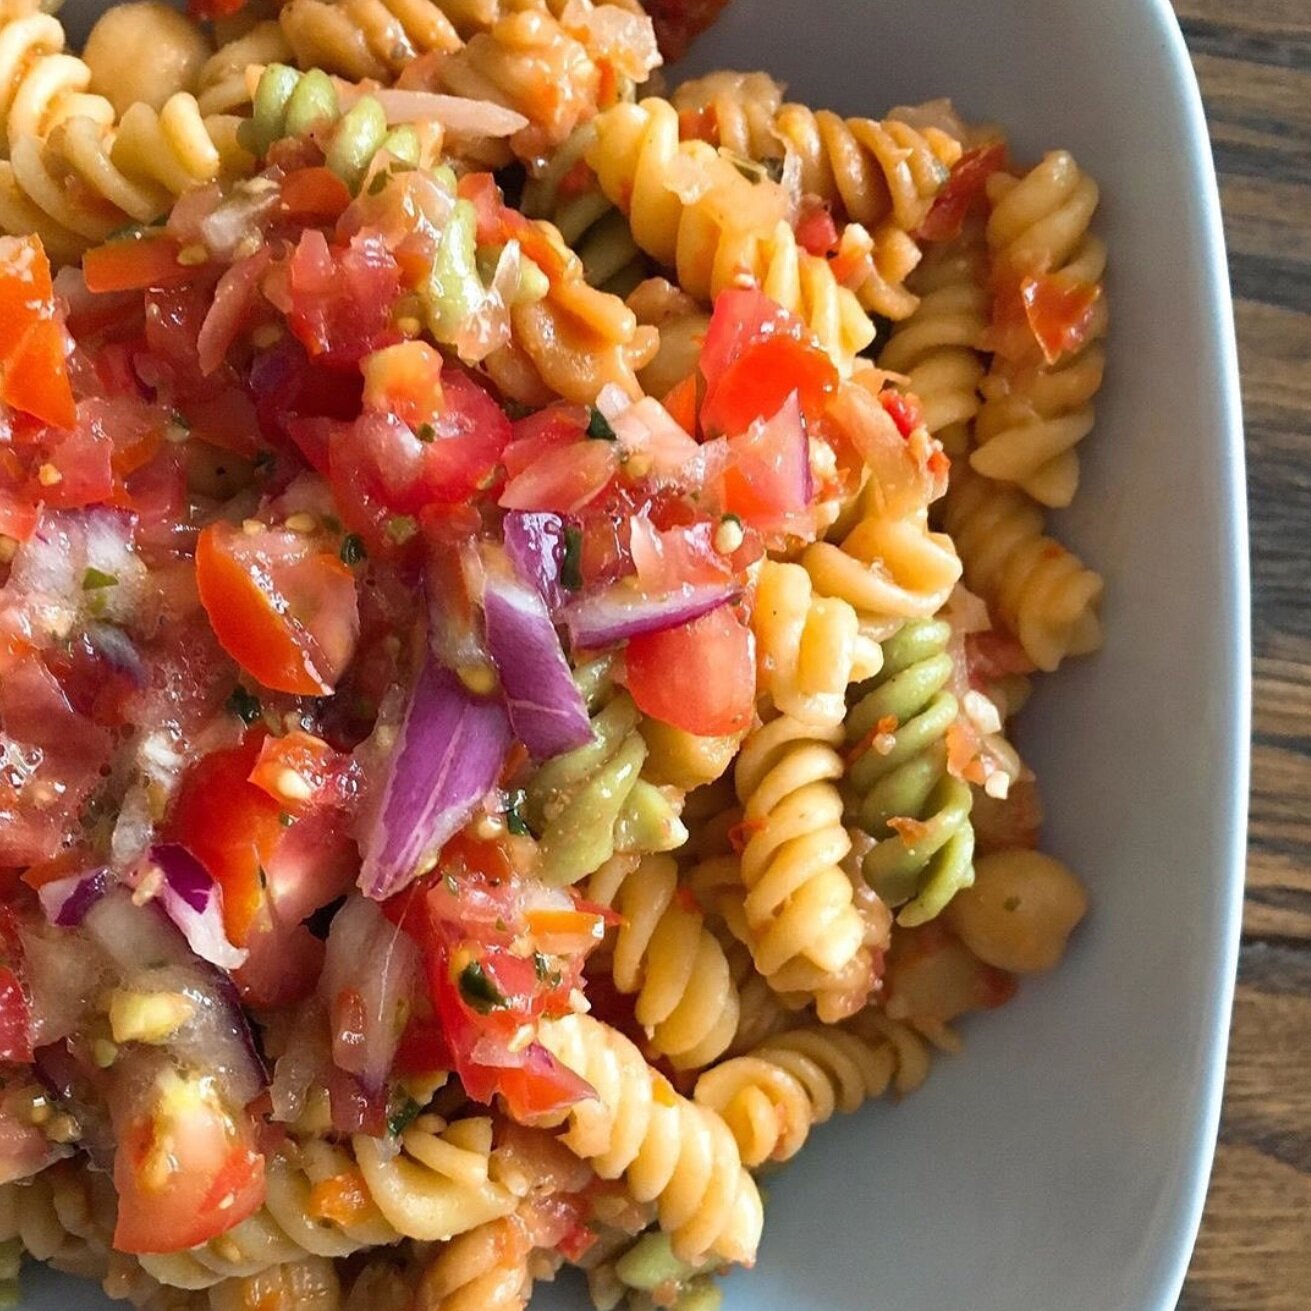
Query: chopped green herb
{"x":379,"y":181}
{"x":402,"y":527}
{"x":426,"y":433}
{"x":285,"y":819}
{"x":244,"y":705}
{"x":598,"y":426}
{"x":403,"y":1116}
{"x":571,"y":567}
{"x":94,"y":579}
{"x":479,"y":991}
{"x":541,"y":967}
{"x":452,"y":886}
{"x":514,"y":819}
{"x":352,"y":549}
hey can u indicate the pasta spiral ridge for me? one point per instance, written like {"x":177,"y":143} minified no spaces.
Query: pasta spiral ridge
{"x":771,"y":1097}
{"x":672,"y":1152}
{"x":908,"y":801}
{"x":799,"y":915}
{"x":587,"y":804}
{"x":222,"y":87}
{"x":63,"y":1216}
{"x":41,"y":85}
{"x":808,"y":647}
{"x":438,"y":1185}
{"x":663,"y":952}
{"x":76,"y":186}
{"x":730,"y":232}
{"x":940,"y":346}
{"x":1038,"y":590}
{"x":485,"y":1269}
{"x":360,"y":39}
{"x":308,"y":1284}
{"x":1036,"y":413}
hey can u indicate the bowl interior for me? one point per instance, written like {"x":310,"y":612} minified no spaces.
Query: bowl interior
{"x":1061,"y":1160}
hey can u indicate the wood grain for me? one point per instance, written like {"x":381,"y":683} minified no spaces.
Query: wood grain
{"x":1254,"y":63}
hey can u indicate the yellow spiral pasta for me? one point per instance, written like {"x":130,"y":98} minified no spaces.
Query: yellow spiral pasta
{"x":670,"y":1151}
{"x":692,"y":210}
{"x":360,"y":39}
{"x":485,"y":1269}
{"x":1036,"y":413}
{"x":310,"y":1284}
{"x":63,"y":1216}
{"x":438,"y":1185}
{"x":940,"y":346}
{"x":803,"y":928}
{"x":222,"y":86}
{"x":771,"y":1097}
{"x":144,"y":51}
{"x":809,"y":648}
{"x":666,"y":957}
{"x":681,"y":322}
{"x":1036,"y":588}
{"x":77,"y":185}
{"x":40,"y":84}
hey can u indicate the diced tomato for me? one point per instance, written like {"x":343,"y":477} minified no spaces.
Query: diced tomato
{"x":288,"y":388}
{"x":18,"y":508}
{"x":15,"y":1019}
{"x":404,"y":380}
{"x":281,"y":606}
{"x":768,"y":473}
{"x":667,"y":560}
{"x":302,"y":772}
{"x":546,"y":430}
{"x":969,"y":177}
{"x":341,"y":300}
{"x":33,"y":367}
{"x":133,"y":263}
{"x":564,"y":479}
{"x":816,"y":231}
{"x":700,"y":677}
{"x":313,"y":196}
{"x":681,"y":402}
{"x":236,"y":305}
{"x":756,"y":354}
{"x":1060,"y":311}
{"x":903,"y":408}
{"x":481,"y":191}
{"x":208,"y":10}
{"x":186,"y":1170}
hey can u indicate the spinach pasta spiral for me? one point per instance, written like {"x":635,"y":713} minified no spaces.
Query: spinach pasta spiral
{"x":664,"y":954}
{"x":734,"y":230}
{"x":1037,"y":589}
{"x":672,"y":1152}
{"x":916,"y":810}
{"x":1037,"y":411}
{"x":592,"y":802}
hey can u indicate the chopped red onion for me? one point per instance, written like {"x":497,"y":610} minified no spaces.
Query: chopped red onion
{"x":534,"y":541}
{"x":623,"y":610}
{"x":368,"y":979}
{"x":66,"y":901}
{"x":194,"y":902}
{"x":546,"y":708}
{"x":446,"y":758}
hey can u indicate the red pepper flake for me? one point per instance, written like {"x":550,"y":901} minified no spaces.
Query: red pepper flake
{"x":742,"y":832}
{"x":686,"y":901}
{"x":908,"y":829}
{"x":904,"y":409}
{"x":965,"y":186}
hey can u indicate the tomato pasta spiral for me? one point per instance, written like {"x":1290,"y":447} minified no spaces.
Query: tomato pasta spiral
{"x":360,"y":39}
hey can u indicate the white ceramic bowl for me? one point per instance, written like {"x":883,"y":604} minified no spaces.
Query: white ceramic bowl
{"x":1060,"y":1164}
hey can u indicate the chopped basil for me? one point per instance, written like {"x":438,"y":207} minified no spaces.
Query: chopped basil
{"x":598,"y":426}
{"x":94,"y":579}
{"x":401,"y":527}
{"x":514,"y":819}
{"x":571,"y":567}
{"x":403,"y":1116}
{"x":244,"y":705}
{"x":352,"y":549}
{"x":426,"y":433}
{"x":479,"y":991}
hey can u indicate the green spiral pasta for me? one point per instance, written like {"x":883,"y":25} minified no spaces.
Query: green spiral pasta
{"x":592,"y":802}
{"x":907,"y":800}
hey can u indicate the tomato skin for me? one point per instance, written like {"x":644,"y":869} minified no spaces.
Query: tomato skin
{"x":34,"y":376}
{"x":282,"y":608}
{"x":187,"y":1169}
{"x":134,"y":263}
{"x":1060,"y":311}
{"x":15,"y":1019}
{"x":313,"y":195}
{"x":404,"y":380}
{"x":18,"y":509}
{"x":755,"y":356}
{"x":903,"y":409}
{"x":969,"y":177}
{"x":699,"y":677}
{"x":341,"y":300}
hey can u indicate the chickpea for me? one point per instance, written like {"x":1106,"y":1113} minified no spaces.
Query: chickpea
{"x":1020,"y":911}
{"x":683,"y":760}
{"x":144,"y":51}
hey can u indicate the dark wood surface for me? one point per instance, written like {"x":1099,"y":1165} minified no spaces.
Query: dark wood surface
{"x":1254,"y":61}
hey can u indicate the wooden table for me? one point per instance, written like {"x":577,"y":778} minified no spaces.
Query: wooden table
{"x":1254,"y":61}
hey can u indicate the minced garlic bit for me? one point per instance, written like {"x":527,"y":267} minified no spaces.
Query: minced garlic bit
{"x":104,"y":1053}
{"x":192,"y":255}
{"x":729,"y":535}
{"x":998,"y":785}
{"x":302,"y":523}
{"x":982,"y":712}
{"x":147,"y":1016}
{"x":292,"y":786}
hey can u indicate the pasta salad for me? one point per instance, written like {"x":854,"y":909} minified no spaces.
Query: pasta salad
{"x":515,"y":585}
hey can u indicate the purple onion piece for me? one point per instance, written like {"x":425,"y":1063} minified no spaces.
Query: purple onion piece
{"x":66,"y":901}
{"x":546,"y":708}
{"x":622,"y":611}
{"x":534,"y":541}
{"x":447,"y":756}
{"x":194,"y":902}
{"x":119,"y":652}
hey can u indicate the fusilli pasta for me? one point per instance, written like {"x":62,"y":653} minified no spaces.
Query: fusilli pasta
{"x":360,"y":39}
